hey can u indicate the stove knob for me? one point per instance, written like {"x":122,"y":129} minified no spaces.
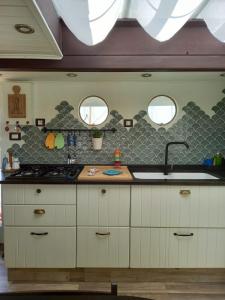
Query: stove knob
{"x":103,"y":191}
{"x":38,"y":191}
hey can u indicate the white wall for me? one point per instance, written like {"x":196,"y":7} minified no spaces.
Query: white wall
{"x":126,"y":97}
{"x":5,"y":89}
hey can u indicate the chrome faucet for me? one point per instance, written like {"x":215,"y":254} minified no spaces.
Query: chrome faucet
{"x":166,"y":153}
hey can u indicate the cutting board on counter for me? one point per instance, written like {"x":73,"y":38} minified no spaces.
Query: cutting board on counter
{"x":99,"y":176}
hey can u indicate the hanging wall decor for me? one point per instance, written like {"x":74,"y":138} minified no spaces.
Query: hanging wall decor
{"x":15,"y":136}
{"x":16,"y":103}
{"x":40,"y":122}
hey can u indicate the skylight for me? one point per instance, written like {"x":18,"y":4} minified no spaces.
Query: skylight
{"x":91,"y":21}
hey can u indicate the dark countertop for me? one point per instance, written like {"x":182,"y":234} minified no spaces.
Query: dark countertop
{"x":215,"y":171}
{"x":218,"y":172}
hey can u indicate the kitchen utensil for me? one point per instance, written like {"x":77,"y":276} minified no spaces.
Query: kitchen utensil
{"x":74,"y":139}
{"x":112,"y":172}
{"x":16,"y":163}
{"x":10,"y":159}
{"x":92,"y":171}
{"x":8,"y":166}
{"x":50,"y":141}
{"x":69,"y":139}
{"x":59,"y":141}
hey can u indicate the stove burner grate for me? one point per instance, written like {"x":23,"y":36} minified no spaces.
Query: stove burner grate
{"x":46,"y":172}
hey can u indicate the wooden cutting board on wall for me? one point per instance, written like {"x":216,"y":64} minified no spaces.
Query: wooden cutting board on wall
{"x":99,"y":176}
{"x":16,"y":103}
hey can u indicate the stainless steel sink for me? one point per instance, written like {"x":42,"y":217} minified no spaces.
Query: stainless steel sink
{"x":175,"y":176}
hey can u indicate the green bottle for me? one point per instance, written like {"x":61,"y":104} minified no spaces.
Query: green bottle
{"x":217,"y":160}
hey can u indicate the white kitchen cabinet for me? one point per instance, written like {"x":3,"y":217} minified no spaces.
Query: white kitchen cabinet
{"x":39,"y":194}
{"x":39,"y":225}
{"x":160,"y":214}
{"x":40,"y":215}
{"x":103,"y":220}
{"x":110,"y":233}
{"x":166,"y":206}
{"x":102,"y":247}
{"x":103,"y":205}
{"x":40,"y":247}
{"x":160,"y":248}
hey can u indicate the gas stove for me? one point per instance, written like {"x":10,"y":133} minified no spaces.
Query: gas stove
{"x":46,"y":173}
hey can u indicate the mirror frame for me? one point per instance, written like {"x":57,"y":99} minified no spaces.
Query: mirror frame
{"x":96,"y":97}
{"x":173,"y":100}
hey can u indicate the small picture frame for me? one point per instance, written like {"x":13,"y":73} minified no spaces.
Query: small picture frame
{"x":40,"y":122}
{"x":15,"y":136}
{"x":128,"y":122}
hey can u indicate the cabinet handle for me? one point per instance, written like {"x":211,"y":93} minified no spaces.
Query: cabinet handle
{"x":102,"y":234}
{"x":38,"y":191}
{"x":39,"y":233}
{"x":185,"y":192}
{"x":103,"y":191}
{"x":183,"y":234}
{"x":39,"y":211}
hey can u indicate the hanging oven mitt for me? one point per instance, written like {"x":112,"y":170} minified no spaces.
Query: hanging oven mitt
{"x":59,"y":141}
{"x":50,"y":141}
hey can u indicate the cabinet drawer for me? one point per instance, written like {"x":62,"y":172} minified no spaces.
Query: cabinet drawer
{"x":103,"y":205}
{"x":178,"y":206}
{"x":103,"y":247}
{"x":40,"y":247}
{"x":44,"y":215}
{"x":39,"y":194}
{"x":165,"y":248}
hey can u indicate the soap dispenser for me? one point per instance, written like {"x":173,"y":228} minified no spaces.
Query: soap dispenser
{"x":4,"y":162}
{"x":217,"y":159}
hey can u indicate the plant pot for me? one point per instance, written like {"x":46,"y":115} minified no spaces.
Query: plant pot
{"x":97,"y":143}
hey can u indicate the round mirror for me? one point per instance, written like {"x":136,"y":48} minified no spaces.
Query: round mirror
{"x":162,"y":109}
{"x":93,"y":110}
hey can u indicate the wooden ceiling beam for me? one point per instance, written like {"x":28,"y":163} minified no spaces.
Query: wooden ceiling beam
{"x":129,"y":48}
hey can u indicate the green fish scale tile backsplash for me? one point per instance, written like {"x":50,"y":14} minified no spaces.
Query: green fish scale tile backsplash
{"x":142,"y":144}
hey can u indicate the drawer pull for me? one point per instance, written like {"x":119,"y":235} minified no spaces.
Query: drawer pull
{"x":103,"y":191}
{"x":38,"y":191}
{"x":183,"y":234}
{"x":39,"y":211}
{"x":39,"y":233}
{"x":185,"y":192}
{"x":103,"y":234}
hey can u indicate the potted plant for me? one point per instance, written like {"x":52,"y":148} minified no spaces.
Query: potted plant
{"x":97,"y":137}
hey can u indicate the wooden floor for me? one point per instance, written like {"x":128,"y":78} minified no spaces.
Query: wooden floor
{"x":153,"y":290}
